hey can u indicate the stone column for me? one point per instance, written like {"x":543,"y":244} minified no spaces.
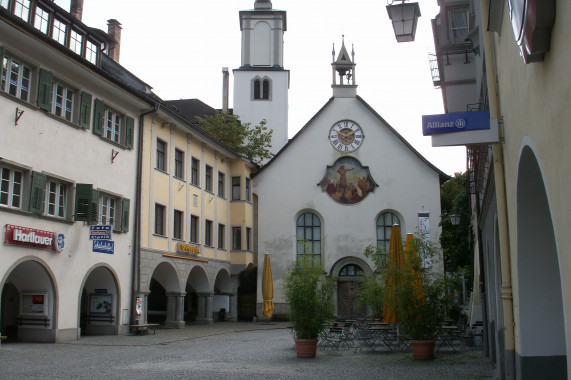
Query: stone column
{"x":201,"y":312}
{"x":180,"y":310}
{"x":335,"y":299}
{"x":172,"y":320}
{"x":209,"y":299}
{"x":233,"y":312}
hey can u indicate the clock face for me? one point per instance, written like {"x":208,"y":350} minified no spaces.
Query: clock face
{"x":346,"y":136}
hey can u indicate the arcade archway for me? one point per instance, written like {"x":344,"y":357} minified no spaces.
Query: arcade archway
{"x":542,"y":349}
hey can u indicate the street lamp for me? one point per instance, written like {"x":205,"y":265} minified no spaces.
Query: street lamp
{"x":455,"y":219}
{"x":405,"y":18}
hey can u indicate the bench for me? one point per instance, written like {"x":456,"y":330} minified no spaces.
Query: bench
{"x":144,"y":328}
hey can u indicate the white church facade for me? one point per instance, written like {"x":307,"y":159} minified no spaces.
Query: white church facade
{"x":337,"y":187}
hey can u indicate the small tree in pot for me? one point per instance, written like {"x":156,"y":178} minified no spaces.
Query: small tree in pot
{"x":309,"y":292}
{"x":420,"y":298}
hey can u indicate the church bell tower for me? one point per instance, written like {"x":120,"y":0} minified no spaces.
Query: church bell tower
{"x":261,"y":83}
{"x":344,"y":67}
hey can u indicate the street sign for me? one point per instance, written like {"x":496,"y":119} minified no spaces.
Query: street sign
{"x":455,"y":122}
{"x":104,"y":246}
{"x":100,"y":232}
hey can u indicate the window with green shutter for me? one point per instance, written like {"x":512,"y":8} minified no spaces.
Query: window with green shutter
{"x":85,"y":110}
{"x":37,"y":193}
{"x":86,"y":203}
{"x":98,"y":114}
{"x":125,"y":215}
{"x":45,"y":86}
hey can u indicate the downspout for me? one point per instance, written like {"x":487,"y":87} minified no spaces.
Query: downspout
{"x":499,"y":177}
{"x":136,"y":273}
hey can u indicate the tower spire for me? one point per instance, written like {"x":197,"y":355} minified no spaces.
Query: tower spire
{"x":344,"y":68}
{"x":263,"y":4}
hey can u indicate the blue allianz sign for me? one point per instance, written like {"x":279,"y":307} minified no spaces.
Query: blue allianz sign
{"x":104,"y":246}
{"x":455,"y":122}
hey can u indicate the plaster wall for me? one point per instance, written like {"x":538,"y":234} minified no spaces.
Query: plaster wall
{"x":526,"y":92}
{"x":289,"y":187}
{"x":273,"y":110}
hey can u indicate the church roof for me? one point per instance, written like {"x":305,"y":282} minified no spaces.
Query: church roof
{"x":443,"y":176}
{"x":190,"y":109}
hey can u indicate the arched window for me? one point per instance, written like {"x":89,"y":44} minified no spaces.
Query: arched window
{"x":257,"y":89}
{"x":308,"y":236}
{"x":266,"y":89}
{"x":261,"y":89}
{"x":385,"y":223}
{"x":351,"y":270}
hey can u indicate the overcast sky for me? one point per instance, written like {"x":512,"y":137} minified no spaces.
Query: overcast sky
{"x":179,"y":48}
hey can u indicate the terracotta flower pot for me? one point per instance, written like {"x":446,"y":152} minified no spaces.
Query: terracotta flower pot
{"x":422,"y":349}
{"x":306,"y":348}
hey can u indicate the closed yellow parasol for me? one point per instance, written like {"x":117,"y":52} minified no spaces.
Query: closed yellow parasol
{"x":394,"y":265}
{"x":267,"y":288}
{"x":412,"y":262}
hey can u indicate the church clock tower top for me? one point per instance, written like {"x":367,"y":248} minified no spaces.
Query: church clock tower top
{"x":265,"y":4}
{"x":344,"y":66}
{"x":262,"y":36}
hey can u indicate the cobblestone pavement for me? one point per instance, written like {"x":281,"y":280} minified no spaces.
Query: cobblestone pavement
{"x":223,"y":351}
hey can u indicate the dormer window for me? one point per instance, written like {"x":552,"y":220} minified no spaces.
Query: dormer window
{"x":58,"y":32}
{"x":22,"y":9}
{"x":41,"y":21}
{"x":261,"y":89}
{"x":91,"y":52}
{"x":75,"y":42}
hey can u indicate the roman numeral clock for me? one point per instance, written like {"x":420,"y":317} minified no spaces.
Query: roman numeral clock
{"x":346,"y":136}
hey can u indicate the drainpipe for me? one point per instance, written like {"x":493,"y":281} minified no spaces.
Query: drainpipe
{"x":499,"y":176}
{"x":136,"y":273}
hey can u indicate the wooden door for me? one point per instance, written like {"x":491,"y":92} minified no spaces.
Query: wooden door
{"x":346,"y":294}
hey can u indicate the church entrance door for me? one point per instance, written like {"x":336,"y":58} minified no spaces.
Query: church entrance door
{"x":347,"y":292}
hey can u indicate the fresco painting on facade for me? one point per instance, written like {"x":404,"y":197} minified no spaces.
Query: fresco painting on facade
{"x":347,"y":181}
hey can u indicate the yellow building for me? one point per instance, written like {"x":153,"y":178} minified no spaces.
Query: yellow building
{"x":196,"y":222}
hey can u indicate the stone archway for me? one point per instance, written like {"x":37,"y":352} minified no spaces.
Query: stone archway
{"x":223,"y":291}
{"x":29,"y":303}
{"x":164,"y":303}
{"x":199,"y":297}
{"x":349,"y":270}
{"x":542,"y":348}
{"x":100,"y":300}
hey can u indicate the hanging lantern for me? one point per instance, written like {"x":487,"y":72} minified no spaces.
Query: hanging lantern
{"x":405,"y":18}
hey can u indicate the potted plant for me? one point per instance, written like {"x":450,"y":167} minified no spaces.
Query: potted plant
{"x":308,"y":291}
{"x":420,"y":299}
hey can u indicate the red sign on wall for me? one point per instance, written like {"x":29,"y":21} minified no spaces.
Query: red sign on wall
{"x":29,"y":237}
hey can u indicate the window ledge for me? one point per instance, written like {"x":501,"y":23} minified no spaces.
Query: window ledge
{"x":18,"y":100}
{"x":161,"y":171}
{"x":15,"y":210}
{"x":118,"y":145}
{"x":57,"y":219}
{"x":160,"y":236}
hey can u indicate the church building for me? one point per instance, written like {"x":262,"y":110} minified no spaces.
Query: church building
{"x":342,"y":181}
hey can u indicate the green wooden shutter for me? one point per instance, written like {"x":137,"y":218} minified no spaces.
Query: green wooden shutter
{"x":37,"y":192}
{"x":45,"y":88}
{"x":85,"y":110}
{"x":1,"y":57}
{"x":125,"y":215}
{"x":98,"y":114}
{"x":93,"y":212}
{"x":129,"y":131}
{"x":82,"y":199}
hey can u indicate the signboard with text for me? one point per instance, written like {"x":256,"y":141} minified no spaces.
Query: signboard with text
{"x":455,"y":122}
{"x":100,"y":232}
{"x":104,"y":246}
